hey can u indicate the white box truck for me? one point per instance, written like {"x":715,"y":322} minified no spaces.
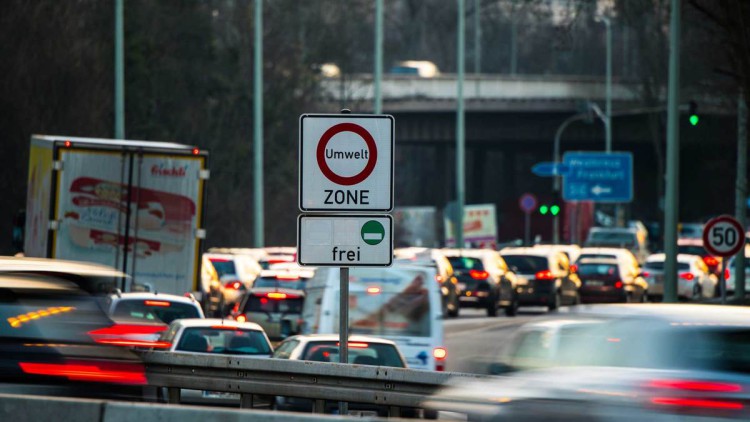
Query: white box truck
{"x":134,"y":205}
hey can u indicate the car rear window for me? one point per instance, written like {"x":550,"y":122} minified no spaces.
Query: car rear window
{"x":659,"y":265}
{"x":611,"y":238}
{"x":362,"y":353}
{"x":225,"y":340}
{"x":587,"y":269}
{"x":285,"y":283}
{"x":224,"y":266}
{"x":691,"y":250}
{"x":460,"y":263}
{"x":155,"y":310}
{"x":262,"y":303}
{"x":527,"y":264}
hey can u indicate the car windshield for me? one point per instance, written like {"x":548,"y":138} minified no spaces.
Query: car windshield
{"x":155,"y":310}
{"x":281,"y":282}
{"x":224,"y":340}
{"x":362,"y":353}
{"x":289,"y":304}
{"x":527,"y":264}
{"x":464,"y":263}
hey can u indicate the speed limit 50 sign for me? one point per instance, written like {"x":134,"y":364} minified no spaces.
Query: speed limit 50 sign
{"x":723,"y":236}
{"x":346,"y":162}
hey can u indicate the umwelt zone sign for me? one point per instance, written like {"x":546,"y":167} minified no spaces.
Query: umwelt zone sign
{"x":346,"y":162}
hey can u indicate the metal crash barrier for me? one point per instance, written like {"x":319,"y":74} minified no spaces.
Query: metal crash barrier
{"x":394,"y":388}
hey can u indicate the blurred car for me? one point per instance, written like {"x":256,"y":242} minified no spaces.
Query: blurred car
{"x":277,"y":310}
{"x":217,"y":337}
{"x":731,"y":272}
{"x":50,"y":341}
{"x":294,"y":279}
{"x":227,"y":277}
{"x":693,"y":246}
{"x":629,"y":238}
{"x":690,"y":230}
{"x":624,"y":257}
{"x":363,"y":350}
{"x":445,"y":277}
{"x":484,"y":280}
{"x":544,"y":277}
{"x":95,"y":279}
{"x":694,"y":281}
{"x":605,"y":280}
{"x":571,"y":251}
{"x":146,"y":315}
{"x":640,"y":362}
{"x":277,"y":255}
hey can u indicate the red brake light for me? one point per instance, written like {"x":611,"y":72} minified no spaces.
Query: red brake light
{"x":276,"y":295}
{"x":355,"y":345}
{"x":618,"y":284}
{"x":223,"y":327}
{"x":710,"y":260}
{"x":235,"y":285}
{"x":439,"y":353}
{"x":123,"y":329}
{"x":687,"y":276}
{"x":241,"y":318}
{"x":130,"y":335}
{"x":726,"y":274}
{"x":196,"y":151}
{"x":162,"y":303}
{"x":219,"y":259}
{"x":478,"y":275}
{"x":101,"y":371}
{"x":68,"y":144}
{"x":705,"y":404}
{"x":646,"y":273}
{"x":287,"y":277}
{"x":676,"y":384}
{"x":545,"y":275}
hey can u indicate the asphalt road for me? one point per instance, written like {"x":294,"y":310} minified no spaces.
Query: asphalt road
{"x":474,"y":340}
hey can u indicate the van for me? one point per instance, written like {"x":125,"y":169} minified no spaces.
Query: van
{"x":401,"y":303}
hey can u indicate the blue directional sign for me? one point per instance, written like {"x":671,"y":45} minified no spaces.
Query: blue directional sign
{"x":598,"y":177}
{"x":549,"y":168}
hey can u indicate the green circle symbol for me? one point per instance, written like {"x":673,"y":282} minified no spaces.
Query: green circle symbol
{"x":373,"y":232}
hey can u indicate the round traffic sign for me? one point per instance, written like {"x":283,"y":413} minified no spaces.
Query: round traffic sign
{"x":373,"y":232}
{"x":527,"y":202}
{"x":723,"y":236}
{"x":371,"y":147}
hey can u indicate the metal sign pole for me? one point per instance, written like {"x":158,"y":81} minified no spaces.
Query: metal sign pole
{"x":723,"y":280}
{"x":344,"y":325}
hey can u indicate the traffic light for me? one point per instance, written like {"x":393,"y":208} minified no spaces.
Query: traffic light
{"x":552,"y":207}
{"x":693,"y":113}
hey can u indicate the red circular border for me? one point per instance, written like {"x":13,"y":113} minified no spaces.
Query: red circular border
{"x":724,"y":219}
{"x":371,"y":146}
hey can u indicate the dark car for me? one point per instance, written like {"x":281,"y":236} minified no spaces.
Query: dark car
{"x":606,"y":281}
{"x":484,"y":280}
{"x":51,"y":341}
{"x":277,"y":310}
{"x":545,"y":277}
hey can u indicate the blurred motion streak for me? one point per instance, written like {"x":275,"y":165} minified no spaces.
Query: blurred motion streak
{"x":100,"y":371}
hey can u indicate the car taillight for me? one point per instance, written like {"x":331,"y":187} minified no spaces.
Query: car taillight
{"x":440,"y":354}
{"x":373,"y":290}
{"x":646,"y":274}
{"x":234,"y":285}
{"x":84,"y":370}
{"x":478,"y":275}
{"x":355,"y":345}
{"x":545,"y":275}
{"x":287,"y":277}
{"x":618,"y":284}
{"x":710,"y":260}
{"x":162,"y":303}
{"x":726,"y":274}
{"x":687,"y":276}
{"x":277,"y":295}
{"x":574,"y":268}
{"x":241,"y":318}
{"x":131,"y":335}
{"x":674,"y":387}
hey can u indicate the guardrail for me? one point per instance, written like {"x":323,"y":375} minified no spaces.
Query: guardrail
{"x":394,"y":388}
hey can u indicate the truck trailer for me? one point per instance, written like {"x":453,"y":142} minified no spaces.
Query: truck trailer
{"x":136,"y":206}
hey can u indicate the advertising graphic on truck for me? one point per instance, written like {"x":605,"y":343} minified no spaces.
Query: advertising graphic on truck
{"x":133,"y":205}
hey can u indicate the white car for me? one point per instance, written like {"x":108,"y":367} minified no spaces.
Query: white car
{"x":226,"y":277}
{"x":572,"y":251}
{"x":624,"y":257}
{"x":217,"y":337}
{"x":694,"y":280}
{"x":732,"y":271}
{"x":154,"y":307}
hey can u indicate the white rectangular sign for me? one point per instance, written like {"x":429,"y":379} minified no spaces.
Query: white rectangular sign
{"x":345,"y":240}
{"x":346,"y":162}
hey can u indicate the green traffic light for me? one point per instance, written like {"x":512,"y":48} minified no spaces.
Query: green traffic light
{"x":543,"y":209}
{"x":694,"y":120}
{"x":555,"y":209}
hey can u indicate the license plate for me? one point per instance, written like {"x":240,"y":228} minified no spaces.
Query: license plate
{"x":220,"y":395}
{"x":594,"y":283}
